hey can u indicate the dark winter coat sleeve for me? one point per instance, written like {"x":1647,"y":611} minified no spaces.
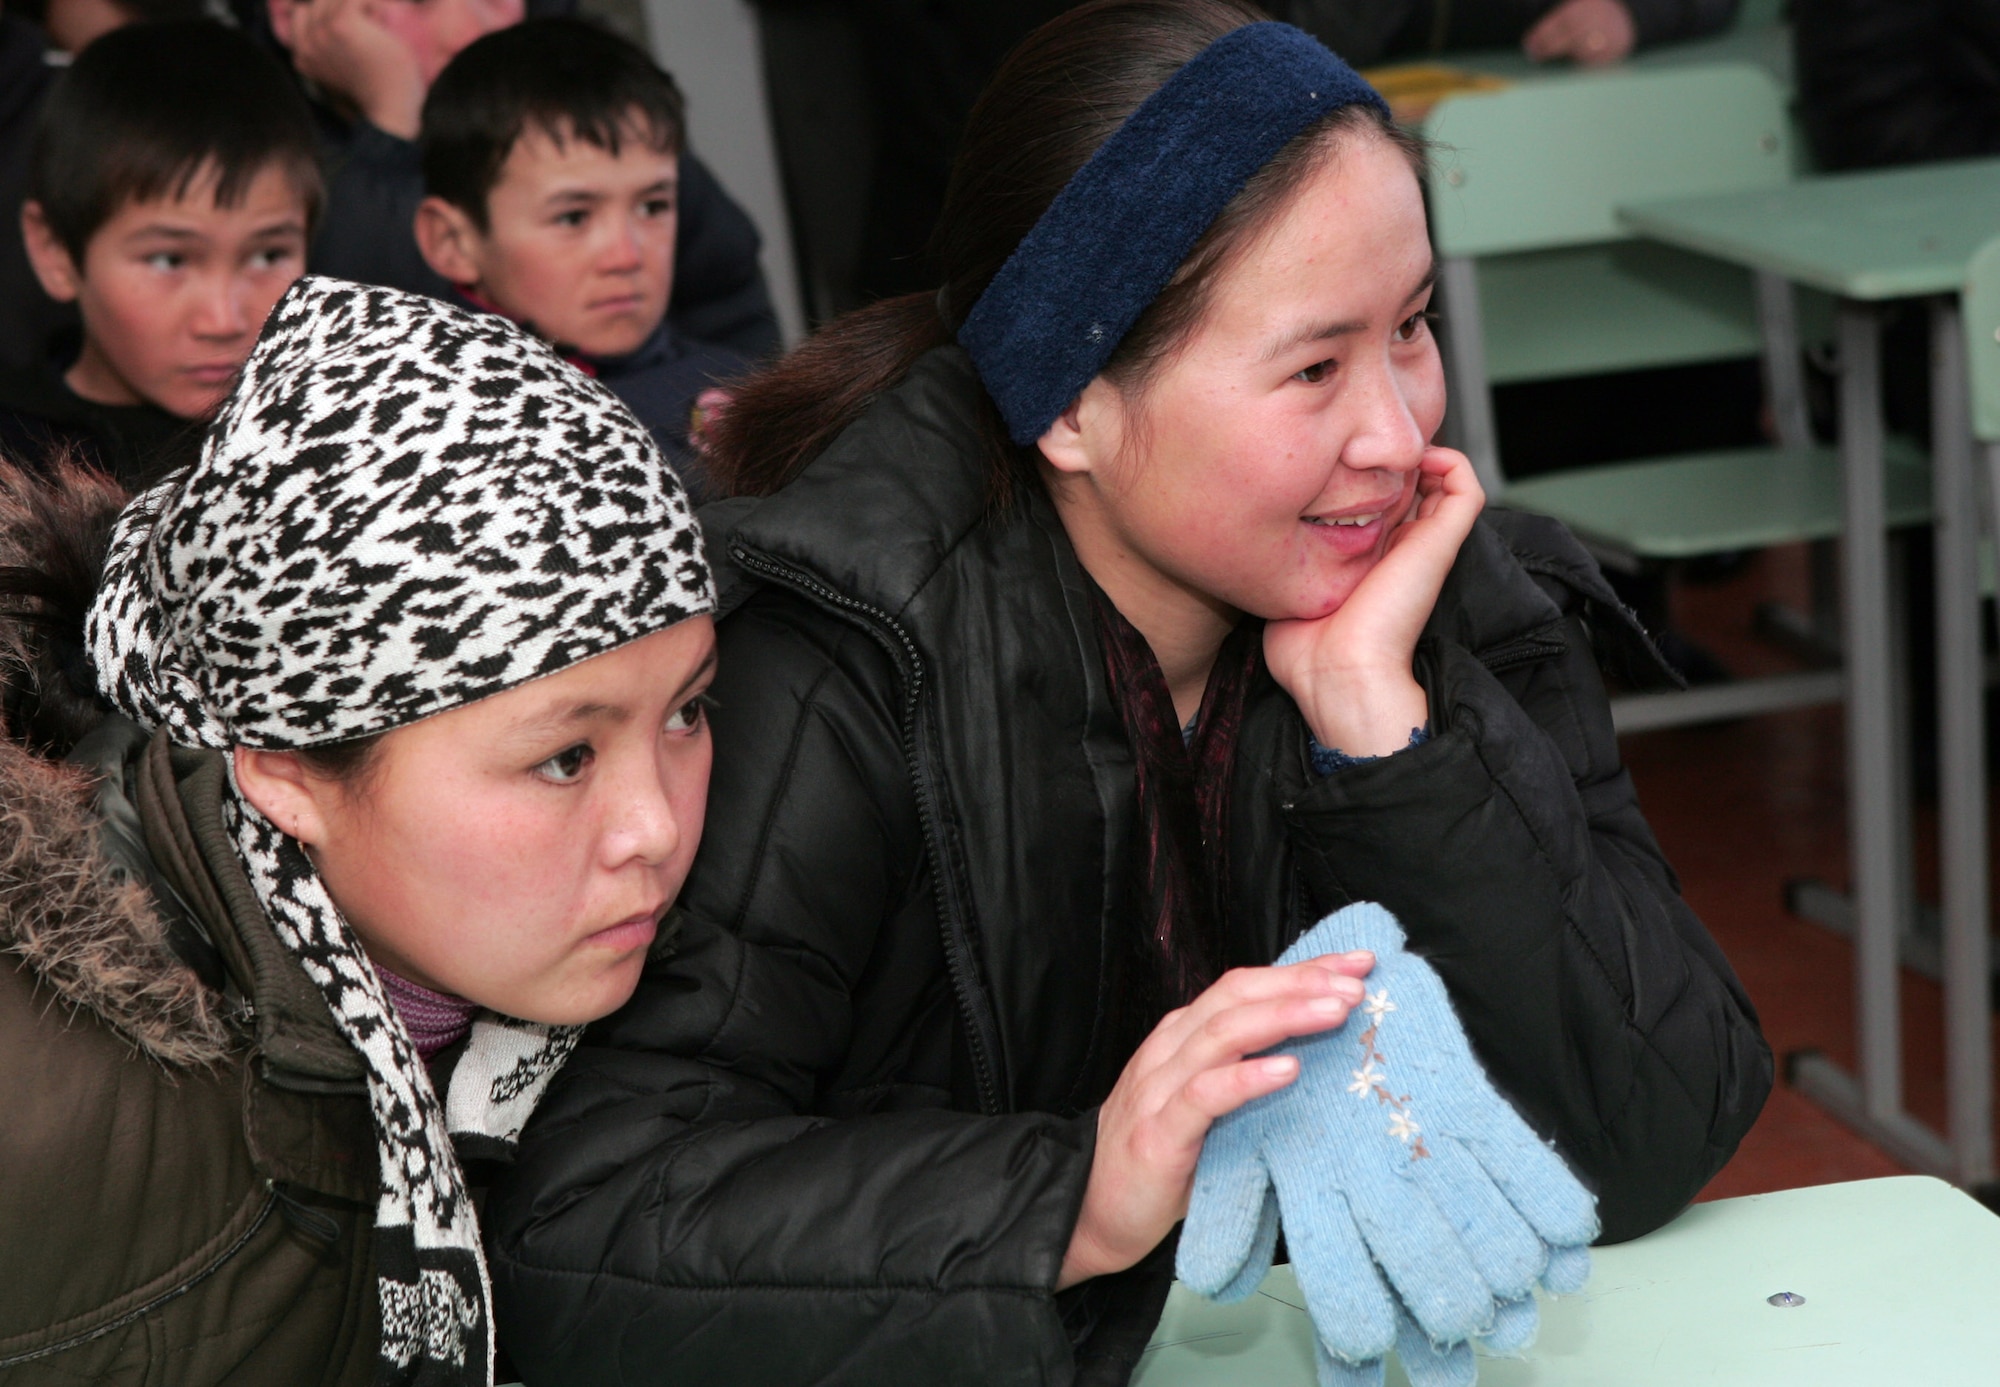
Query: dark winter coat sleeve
{"x":1886,"y":82}
{"x":711,"y":1192}
{"x":1372,"y":31}
{"x":1512,"y":848}
{"x":719,"y":289}
{"x":374,"y":182}
{"x":1669,"y":21}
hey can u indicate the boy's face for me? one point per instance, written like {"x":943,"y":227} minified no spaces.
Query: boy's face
{"x":579,"y":243}
{"x":173,"y":291}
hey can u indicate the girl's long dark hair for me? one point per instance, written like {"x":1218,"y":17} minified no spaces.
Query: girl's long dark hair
{"x":1055,"y":99}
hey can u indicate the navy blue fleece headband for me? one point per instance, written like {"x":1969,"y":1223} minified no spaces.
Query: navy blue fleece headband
{"x":1115,"y":234}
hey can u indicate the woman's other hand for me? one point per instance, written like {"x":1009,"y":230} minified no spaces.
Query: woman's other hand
{"x":1351,"y":671}
{"x":1191,"y":1070}
{"x":1589,"y":32}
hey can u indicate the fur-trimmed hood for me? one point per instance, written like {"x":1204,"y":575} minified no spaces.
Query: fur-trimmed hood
{"x":92,"y":936}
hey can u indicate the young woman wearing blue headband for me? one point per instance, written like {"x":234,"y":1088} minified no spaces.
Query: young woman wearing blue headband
{"x":1091,"y":627}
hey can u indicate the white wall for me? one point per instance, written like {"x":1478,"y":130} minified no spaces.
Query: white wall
{"x":710,"y":46}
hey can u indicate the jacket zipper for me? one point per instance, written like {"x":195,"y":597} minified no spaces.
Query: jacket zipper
{"x":958,"y":948}
{"x":1520,"y":650}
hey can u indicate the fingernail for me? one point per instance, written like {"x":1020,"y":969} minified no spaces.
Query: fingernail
{"x":1331,"y":1006}
{"x":1356,"y":955}
{"x":1276,"y":1068}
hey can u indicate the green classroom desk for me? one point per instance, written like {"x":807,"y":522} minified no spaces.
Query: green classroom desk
{"x":1893,"y":234}
{"x":1868,"y":238}
{"x":1901,"y":1280}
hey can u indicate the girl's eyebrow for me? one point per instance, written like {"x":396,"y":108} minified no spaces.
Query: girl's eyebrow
{"x":701,"y":672}
{"x":559,"y":716}
{"x":1328,"y":331}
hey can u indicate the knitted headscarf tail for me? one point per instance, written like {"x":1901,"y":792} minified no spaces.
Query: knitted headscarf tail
{"x":401,"y":509}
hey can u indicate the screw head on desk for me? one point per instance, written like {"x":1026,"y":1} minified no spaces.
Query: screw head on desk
{"x":1785,"y":1300}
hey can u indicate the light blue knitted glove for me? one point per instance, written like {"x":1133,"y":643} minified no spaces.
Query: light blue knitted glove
{"x":1406,"y":1183}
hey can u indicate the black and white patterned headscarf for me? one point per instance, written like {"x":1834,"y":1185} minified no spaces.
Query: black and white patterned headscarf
{"x":402,"y":508}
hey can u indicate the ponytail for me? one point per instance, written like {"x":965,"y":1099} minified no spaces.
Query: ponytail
{"x":785,"y":415}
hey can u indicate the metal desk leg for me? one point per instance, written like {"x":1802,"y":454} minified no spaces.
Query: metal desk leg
{"x":1469,"y":424}
{"x":1875,"y":1104}
{"x":1784,"y":373}
{"x":1871,"y":723}
{"x":1962,"y":845}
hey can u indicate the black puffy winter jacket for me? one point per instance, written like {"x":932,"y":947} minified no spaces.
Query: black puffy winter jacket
{"x":842,"y":1136}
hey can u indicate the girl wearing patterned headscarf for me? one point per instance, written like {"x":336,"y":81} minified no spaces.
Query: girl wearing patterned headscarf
{"x":387,"y":760}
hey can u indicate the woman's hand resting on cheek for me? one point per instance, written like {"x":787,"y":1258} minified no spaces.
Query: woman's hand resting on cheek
{"x":1190,"y":1071}
{"x":1351,"y":671}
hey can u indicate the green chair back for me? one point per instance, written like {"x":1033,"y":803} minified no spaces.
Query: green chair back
{"x":1541,"y":280}
{"x":1981,"y":303}
{"x":1546,"y":163}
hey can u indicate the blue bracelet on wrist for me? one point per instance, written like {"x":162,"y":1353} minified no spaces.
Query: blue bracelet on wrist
{"x":1328,"y":759}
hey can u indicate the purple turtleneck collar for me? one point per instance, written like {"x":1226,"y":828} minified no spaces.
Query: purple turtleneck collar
{"x":433,"y":1019}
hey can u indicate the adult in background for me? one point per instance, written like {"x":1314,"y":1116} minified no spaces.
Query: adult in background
{"x":1099,"y":619}
{"x":927,"y":60}
{"x":1590,"y":32}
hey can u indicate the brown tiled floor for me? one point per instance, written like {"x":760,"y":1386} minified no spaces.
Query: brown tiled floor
{"x":1741,"y":809}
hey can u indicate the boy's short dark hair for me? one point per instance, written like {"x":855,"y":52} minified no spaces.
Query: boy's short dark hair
{"x":146,"y":109}
{"x":567,"y":77}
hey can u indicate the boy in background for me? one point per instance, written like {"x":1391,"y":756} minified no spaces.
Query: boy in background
{"x":551,"y":155}
{"x":172,"y":189}
{"x":367,"y":66}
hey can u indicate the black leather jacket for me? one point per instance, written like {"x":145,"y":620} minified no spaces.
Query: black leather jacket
{"x":843,"y":1134}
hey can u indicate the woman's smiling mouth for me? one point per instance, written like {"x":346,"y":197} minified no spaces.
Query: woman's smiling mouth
{"x":1356,"y":521}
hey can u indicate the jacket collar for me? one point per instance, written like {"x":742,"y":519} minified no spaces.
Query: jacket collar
{"x":179,"y":792}
{"x":1507,"y":593}
{"x":880,"y":511}
{"x":150,"y":815}
{"x":80,"y":928}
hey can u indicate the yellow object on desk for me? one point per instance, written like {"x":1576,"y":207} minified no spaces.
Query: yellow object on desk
{"x":1895,"y":1281}
{"x":1411,"y":89}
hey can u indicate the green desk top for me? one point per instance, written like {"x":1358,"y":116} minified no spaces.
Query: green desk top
{"x":1898,"y":233}
{"x":1901,"y":1280}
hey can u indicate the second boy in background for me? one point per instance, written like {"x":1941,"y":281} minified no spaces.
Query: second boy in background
{"x":551,"y":158}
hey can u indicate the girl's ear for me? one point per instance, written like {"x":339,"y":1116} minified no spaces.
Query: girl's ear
{"x":1087,"y":432}
{"x":279,"y":787}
